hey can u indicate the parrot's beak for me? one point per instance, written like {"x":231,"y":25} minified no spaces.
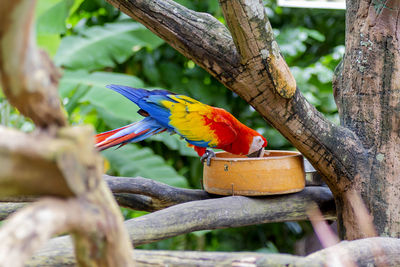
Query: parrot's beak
{"x":257,"y":154}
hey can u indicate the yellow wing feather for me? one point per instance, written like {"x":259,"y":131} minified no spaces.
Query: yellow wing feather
{"x":188,"y":117}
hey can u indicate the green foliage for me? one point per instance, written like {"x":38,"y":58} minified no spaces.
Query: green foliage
{"x":97,"y":45}
{"x":78,"y":87}
{"x":133,"y":160}
{"x":52,"y":21}
{"x":104,"y":46}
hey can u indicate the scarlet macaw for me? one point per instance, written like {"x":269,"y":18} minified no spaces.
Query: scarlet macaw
{"x":199,"y":124}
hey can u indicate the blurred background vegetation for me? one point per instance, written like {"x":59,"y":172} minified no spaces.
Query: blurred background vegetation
{"x":95,"y":44}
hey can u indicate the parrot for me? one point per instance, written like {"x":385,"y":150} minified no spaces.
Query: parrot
{"x":201,"y":125}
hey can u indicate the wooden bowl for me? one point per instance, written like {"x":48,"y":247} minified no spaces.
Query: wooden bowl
{"x":278,"y":172}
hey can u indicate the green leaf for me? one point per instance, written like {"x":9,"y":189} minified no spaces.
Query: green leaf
{"x":131,"y":160}
{"x":314,"y":34}
{"x":102,"y":46}
{"x":98,"y":95}
{"x":173,"y":142}
{"x":52,"y":21}
{"x":44,"y":5}
{"x":75,"y":6}
{"x":49,"y":42}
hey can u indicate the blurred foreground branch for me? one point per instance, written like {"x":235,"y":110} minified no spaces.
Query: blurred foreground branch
{"x":52,"y":161}
{"x":29,"y":78}
{"x":194,"y":215}
{"x":376,"y":251}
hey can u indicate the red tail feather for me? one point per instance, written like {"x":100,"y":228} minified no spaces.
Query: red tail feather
{"x":103,"y":136}
{"x":102,"y":144}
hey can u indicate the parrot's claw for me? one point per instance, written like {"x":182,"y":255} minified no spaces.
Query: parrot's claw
{"x":208,"y":155}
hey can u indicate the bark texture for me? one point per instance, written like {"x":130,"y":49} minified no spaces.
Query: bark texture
{"x":66,"y":166}
{"x":211,"y":213}
{"x":367,"y":93}
{"x":53,"y":161}
{"x":358,"y":157}
{"x":379,"y":251}
{"x":28,"y":76}
{"x":26,"y":231}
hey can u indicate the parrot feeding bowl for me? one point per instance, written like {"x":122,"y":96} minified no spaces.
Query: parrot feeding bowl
{"x":277,"y":172}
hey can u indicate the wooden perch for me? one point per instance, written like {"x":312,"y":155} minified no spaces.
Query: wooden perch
{"x":148,"y":195}
{"x":136,"y":193}
{"x":377,"y":251}
{"x":227,"y":212}
{"x":223,"y":212}
{"x":29,"y":78}
{"x":334,"y":151}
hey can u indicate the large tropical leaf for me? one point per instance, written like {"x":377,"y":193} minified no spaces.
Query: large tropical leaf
{"x":132,"y":160}
{"x":102,"y":46}
{"x":80,"y":86}
{"x":173,"y":142}
{"x":50,"y":23}
{"x":52,"y":20}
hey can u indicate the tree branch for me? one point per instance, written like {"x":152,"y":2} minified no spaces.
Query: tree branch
{"x":28,"y":161}
{"x":151,"y":194}
{"x":377,"y":251}
{"x":218,"y":213}
{"x":145,"y":194}
{"x":65,"y":166}
{"x":29,"y":78}
{"x":7,"y":208}
{"x":255,"y":41}
{"x":227,"y":212}
{"x":334,"y":151}
{"x":28,"y":229}
{"x":136,"y":193}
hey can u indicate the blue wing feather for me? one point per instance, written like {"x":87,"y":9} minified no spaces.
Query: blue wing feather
{"x":148,"y":101}
{"x":136,"y":94}
{"x":198,"y":143}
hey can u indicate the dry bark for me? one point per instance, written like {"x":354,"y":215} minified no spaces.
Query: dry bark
{"x":216,"y":213}
{"x":65,"y":166}
{"x":379,"y":251}
{"x":52,"y":161}
{"x":234,"y":211}
{"x":145,"y":194}
{"x":28,"y":76}
{"x":368,"y":98}
{"x":352,"y":157}
{"x":212,"y":213}
{"x":26,"y":231}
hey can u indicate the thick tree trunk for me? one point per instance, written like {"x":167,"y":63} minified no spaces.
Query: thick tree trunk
{"x":367,"y":93}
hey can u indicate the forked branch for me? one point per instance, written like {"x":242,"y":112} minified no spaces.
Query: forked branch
{"x":54,"y":161}
{"x":26,"y":231}
{"x":255,"y":70}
